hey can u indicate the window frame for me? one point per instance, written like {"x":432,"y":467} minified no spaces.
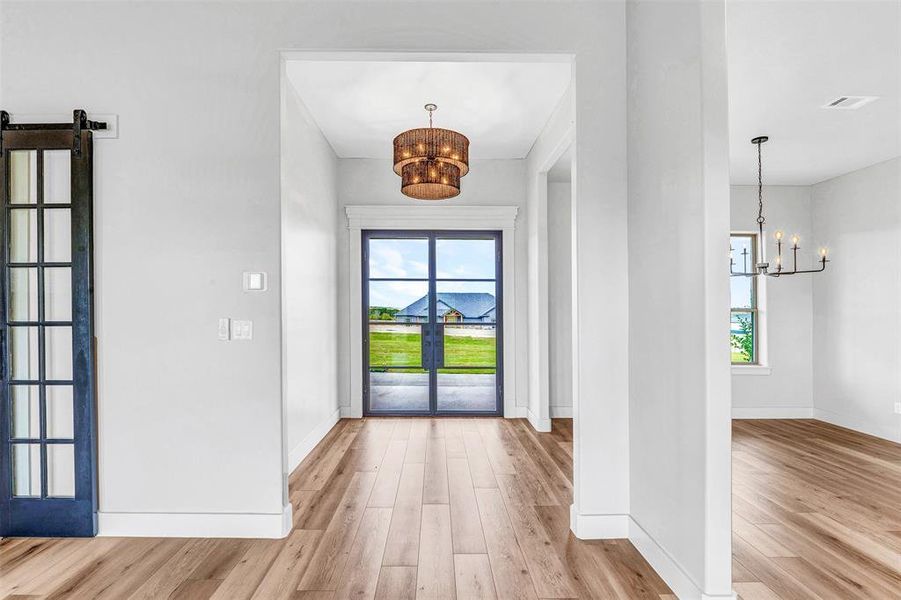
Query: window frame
{"x":754,"y":309}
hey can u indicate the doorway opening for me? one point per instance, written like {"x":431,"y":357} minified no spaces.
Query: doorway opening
{"x":433,"y":323}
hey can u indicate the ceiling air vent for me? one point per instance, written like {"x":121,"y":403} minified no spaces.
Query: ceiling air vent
{"x":849,"y":102}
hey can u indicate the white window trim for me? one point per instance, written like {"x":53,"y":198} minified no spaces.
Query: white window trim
{"x":762,"y":367}
{"x":428,"y":218}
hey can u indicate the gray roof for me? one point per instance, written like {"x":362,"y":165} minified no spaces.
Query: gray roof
{"x":470,"y":305}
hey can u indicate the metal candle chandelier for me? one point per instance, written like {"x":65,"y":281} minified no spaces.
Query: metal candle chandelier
{"x":762,"y":267}
{"x":431,"y":161}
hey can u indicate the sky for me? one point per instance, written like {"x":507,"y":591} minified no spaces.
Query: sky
{"x":409,"y":259}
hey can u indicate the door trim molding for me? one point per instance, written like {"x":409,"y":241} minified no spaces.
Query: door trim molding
{"x":475,"y":218}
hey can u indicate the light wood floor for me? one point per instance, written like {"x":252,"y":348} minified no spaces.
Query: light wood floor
{"x":816,"y":512}
{"x":438,"y":508}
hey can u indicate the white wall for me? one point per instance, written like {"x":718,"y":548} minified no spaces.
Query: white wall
{"x":784,"y":388}
{"x":310,"y":279}
{"x":187,"y":198}
{"x":678,"y":296}
{"x":559,"y":243}
{"x":364,"y":182}
{"x":857,"y":301}
{"x":556,"y":136}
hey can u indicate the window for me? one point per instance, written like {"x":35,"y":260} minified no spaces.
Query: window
{"x":744,"y":318}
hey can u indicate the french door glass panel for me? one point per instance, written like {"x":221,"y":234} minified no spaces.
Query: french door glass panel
{"x":432,"y":322}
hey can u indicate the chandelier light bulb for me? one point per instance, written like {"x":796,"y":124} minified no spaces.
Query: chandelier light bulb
{"x":795,"y":239}
{"x":824,"y":252}
{"x":778,"y":235}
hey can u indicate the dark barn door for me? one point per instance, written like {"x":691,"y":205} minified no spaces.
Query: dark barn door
{"x":48,"y":482}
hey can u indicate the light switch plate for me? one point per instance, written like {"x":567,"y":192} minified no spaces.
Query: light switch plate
{"x":255,"y":281}
{"x":242,"y":330}
{"x":224,"y":332}
{"x":898,"y":408}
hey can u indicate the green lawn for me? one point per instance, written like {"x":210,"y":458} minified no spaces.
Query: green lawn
{"x":389,"y":349}
{"x":739,"y":357}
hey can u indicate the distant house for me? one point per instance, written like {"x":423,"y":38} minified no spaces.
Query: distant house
{"x":452,"y":307}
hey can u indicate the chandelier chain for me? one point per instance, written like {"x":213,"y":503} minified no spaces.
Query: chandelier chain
{"x":760,"y":218}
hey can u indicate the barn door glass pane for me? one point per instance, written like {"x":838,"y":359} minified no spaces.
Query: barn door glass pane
{"x":25,"y":415}
{"x":26,"y":469}
{"x":23,"y":293}
{"x":23,"y":177}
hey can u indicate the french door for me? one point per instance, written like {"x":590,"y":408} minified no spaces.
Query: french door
{"x":433,"y":323}
{"x":47,"y":469}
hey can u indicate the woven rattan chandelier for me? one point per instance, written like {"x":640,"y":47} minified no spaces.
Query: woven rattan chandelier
{"x":431,"y":161}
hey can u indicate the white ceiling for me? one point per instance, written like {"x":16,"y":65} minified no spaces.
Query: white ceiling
{"x":360,"y":106}
{"x":787,"y":59}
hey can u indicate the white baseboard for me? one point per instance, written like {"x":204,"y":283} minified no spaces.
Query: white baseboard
{"x":682,"y":585}
{"x":772,"y":412}
{"x":204,"y":525}
{"x":347,"y":412}
{"x":883,"y":431}
{"x":302,"y":449}
{"x":518,"y":412}
{"x":538,"y":424}
{"x":561,"y":412}
{"x":598,"y":527}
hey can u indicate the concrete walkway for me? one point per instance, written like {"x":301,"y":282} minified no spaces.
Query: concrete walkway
{"x":410,"y":391}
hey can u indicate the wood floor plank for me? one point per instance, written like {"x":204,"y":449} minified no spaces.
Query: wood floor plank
{"x":116,"y":576}
{"x":815,"y":518}
{"x":316,"y":475}
{"x":453,"y":438}
{"x":754,"y":591}
{"x":759,"y":538}
{"x":590,"y":575}
{"x":548,"y":573}
{"x":16,"y":577}
{"x":175,"y":571}
{"x":497,"y":453}
{"x":364,"y":561}
{"x":314,"y":595}
{"x":435,"y":574}
{"x":479,"y":465}
{"x":196,"y":589}
{"x":396,"y":583}
{"x":416,"y":445}
{"x":465,"y":523}
{"x":247,"y":574}
{"x":472,"y":573}
{"x":321,"y":507}
{"x":435,"y":489}
{"x":281,"y":580}
{"x":511,"y":576}
{"x":402,"y":547}
{"x":331,"y":554}
{"x":385,"y":488}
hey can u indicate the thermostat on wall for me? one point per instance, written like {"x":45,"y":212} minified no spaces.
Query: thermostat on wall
{"x":255,"y":282}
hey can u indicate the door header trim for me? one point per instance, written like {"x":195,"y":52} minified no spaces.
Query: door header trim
{"x":432,"y":217}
